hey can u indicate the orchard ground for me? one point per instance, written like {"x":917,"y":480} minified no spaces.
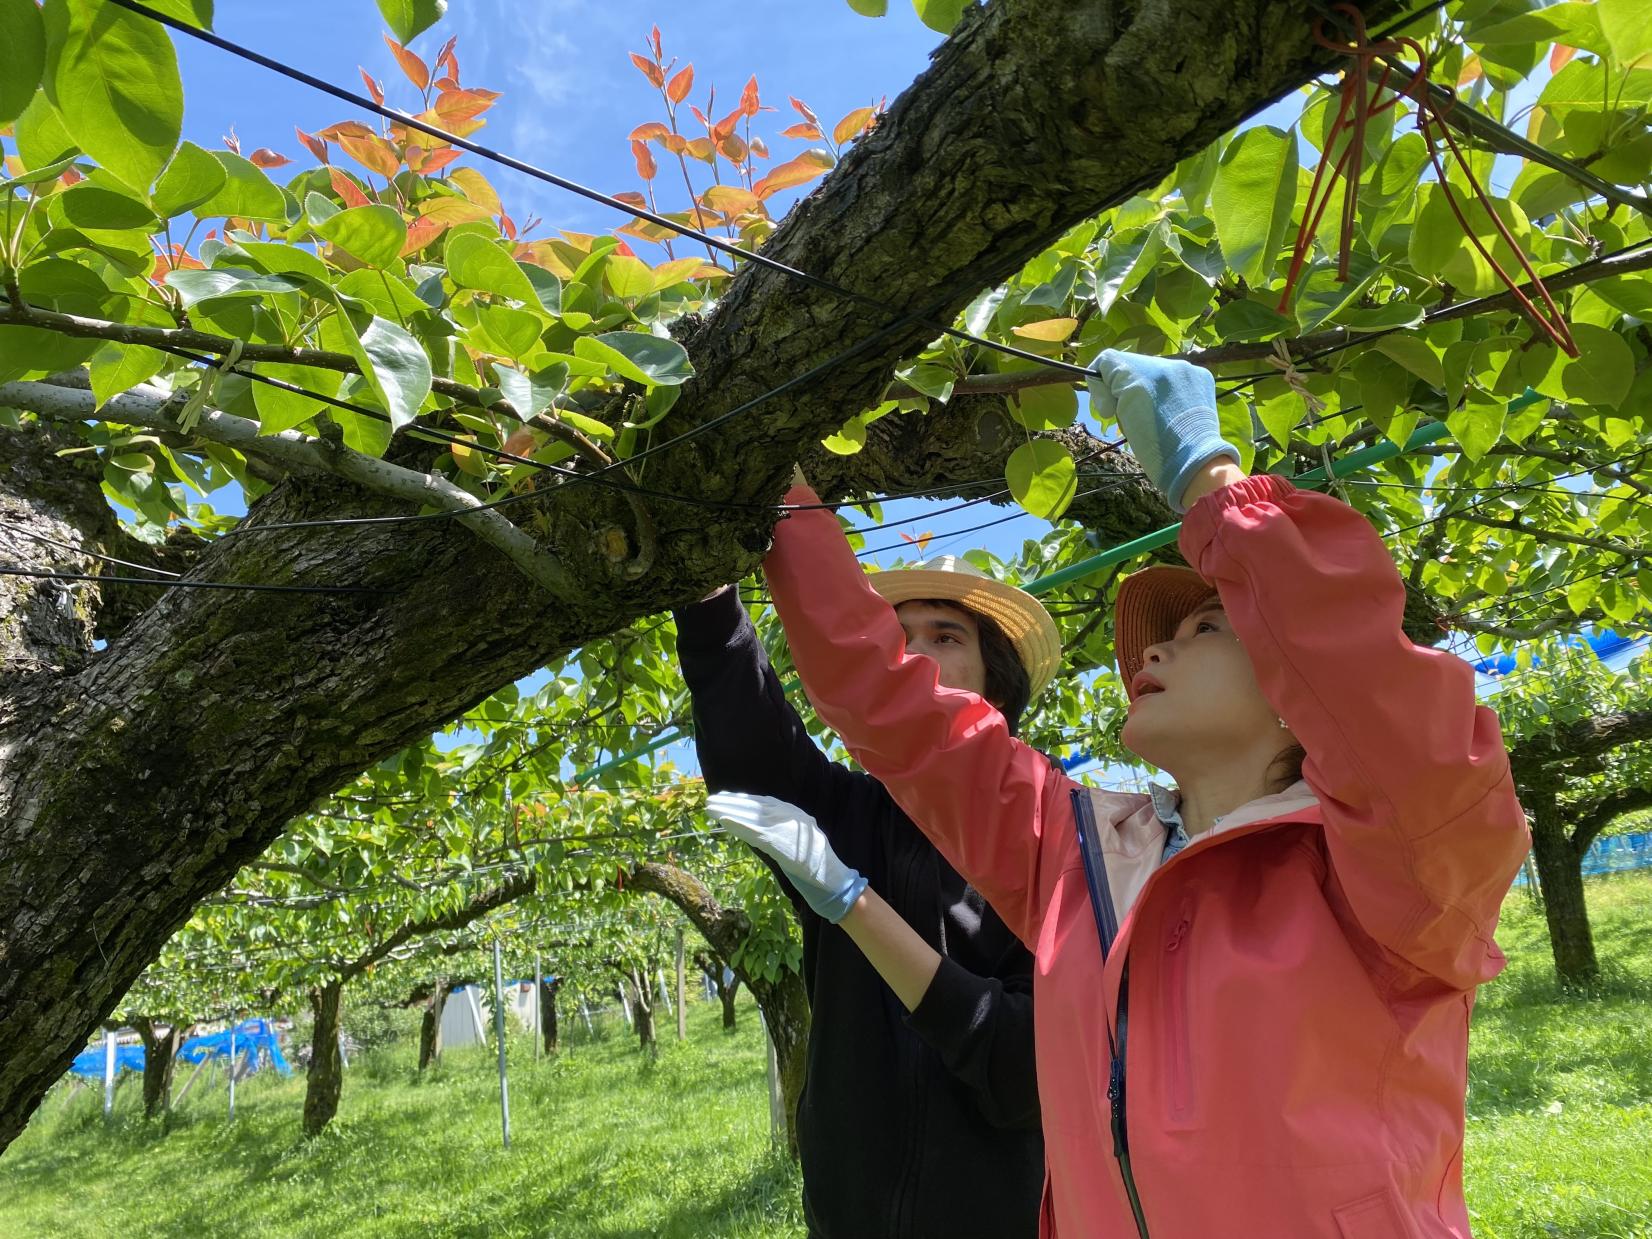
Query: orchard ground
{"x":606,"y":1145}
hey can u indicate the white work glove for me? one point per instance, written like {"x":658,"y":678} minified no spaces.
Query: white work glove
{"x":797,"y":845}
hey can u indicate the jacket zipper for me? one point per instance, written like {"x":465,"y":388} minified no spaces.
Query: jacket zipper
{"x":1116,"y":1098}
{"x":1181,"y":1092}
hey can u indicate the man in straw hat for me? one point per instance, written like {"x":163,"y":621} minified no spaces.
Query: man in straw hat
{"x":919,"y":1116}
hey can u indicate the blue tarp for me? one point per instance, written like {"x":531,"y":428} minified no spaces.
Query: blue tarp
{"x":1615,"y":854}
{"x":1604,"y":644}
{"x":254,"y":1039}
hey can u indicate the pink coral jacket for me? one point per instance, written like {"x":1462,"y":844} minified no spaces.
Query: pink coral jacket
{"x":1300,"y":978}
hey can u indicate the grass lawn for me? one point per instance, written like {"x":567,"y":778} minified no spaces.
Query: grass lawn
{"x":603,"y":1145}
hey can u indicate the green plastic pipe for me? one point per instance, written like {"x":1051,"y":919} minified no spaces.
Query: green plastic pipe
{"x":1354,"y":462}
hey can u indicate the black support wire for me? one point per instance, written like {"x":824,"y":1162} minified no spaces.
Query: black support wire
{"x":584,"y":191}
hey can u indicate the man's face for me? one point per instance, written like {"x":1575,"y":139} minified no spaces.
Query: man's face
{"x":951,"y":637}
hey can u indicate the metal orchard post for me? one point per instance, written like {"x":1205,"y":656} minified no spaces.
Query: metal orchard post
{"x":499,"y":1032}
{"x":538,"y":1015}
{"x":232,"y":1064}
{"x":108,"y":1074}
{"x":682,"y":992}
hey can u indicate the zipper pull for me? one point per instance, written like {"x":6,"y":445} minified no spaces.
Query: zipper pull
{"x":1115,"y":1098}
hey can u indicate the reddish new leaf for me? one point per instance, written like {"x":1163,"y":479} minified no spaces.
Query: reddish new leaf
{"x":852,"y":125}
{"x":507,"y":226}
{"x":373,"y":153}
{"x":651,"y":131}
{"x":804,"y":110}
{"x":805,"y":131}
{"x":675,"y":143}
{"x":346,"y":129}
{"x":373,"y":88}
{"x":428,"y":163}
{"x":416,"y":70}
{"x":733,"y":148}
{"x":654,"y":39}
{"x":231,"y":141}
{"x":793,"y":172}
{"x":748,"y":98}
{"x":347,"y":189}
{"x":264,"y":157}
{"x":1559,"y":56}
{"x":681,"y":83}
{"x":649,"y":69}
{"x":446,"y":57}
{"x":760,"y":148}
{"x":461,"y":105}
{"x":646,"y":167}
{"x":701,"y":149}
{"x":420,"y":233}
{"x":317,"y":147}
{"x":725,"y":127}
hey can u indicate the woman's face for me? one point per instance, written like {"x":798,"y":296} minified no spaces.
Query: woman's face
{"x":1196,"y":698}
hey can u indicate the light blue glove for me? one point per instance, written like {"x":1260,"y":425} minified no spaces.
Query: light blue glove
{"x":798,"y":846}
{"x":1167,"y":411}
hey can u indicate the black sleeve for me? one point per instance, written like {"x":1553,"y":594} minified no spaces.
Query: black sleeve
{"x":982,"y":1027}
{"x":750,"y":739}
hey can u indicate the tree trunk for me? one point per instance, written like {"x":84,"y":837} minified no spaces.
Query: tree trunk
{"x":547,"y":1014}
{"x":726,"y":994}
{"x":784,"y":1002}
{"x":642,"y":1012}
{"x":115,"y":821}
{"x":160,"y":1061}
{"x":430,"y":1025}
{"x":1560,"y":871}
{"x":326,"y":1076}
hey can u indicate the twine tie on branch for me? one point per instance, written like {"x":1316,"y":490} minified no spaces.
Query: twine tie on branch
{"x":1359,"y":102}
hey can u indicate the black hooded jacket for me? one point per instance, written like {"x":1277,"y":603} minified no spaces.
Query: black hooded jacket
{"x":920,"y":1126}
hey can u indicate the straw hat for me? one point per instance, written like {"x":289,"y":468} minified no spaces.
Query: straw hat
{"x":1022,"y":617}
{"x":1150,"y":604}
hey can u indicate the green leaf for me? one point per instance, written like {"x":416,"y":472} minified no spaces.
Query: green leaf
{"x":1194,"y":177}
{"x":280,"y":259}
{"x":35,"y":175}
{"x":545,"y":286}
{"x":1627,"y":25}
{"x":1584,"y":84}
{"x":1385,"y":317}
{"x":586,"y":425}
{"x":373,"y":234}
{"x":116,"y":368}
{"x":41,"y":138}
{"x":395,"y":366}
{"x":1415,"y":355}
{"x":1052,"y":407}
{"x":280,"y":410}
{"x":1478,"y":423}
{"x":930,"y":378}
{"x":93,"y":207}
{"x":409,"y":18}
{"x":113,"y":76}
{"x":1572,"y":23}
{"x":1604,"y":370}
{"x":247,"y":193}
{"x":475,"y":262}
{"x":197,"y":13}
{"x":23,"y":35}
{"x":1279,"y":409}
{"x":192,"y":178}
{"x":628,"y":277}
{"x":1245,"y":319}
{"x":1252,"y":199}
{"x":513,"y":333}
{"x":940,"y":15}
{"x":1384,"y":387}
{"x":1042,"y":478}
{"x":870,"y":8}
{"x":531,"y":393}
{"x":646,"y":359}
{"x":197,"y":286}
{"x":1234,"y":420}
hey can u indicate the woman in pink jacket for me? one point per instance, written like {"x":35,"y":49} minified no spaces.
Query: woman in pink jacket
{"x":1262,"y":1033}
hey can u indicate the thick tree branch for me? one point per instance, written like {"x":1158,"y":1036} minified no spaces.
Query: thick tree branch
{"x":300,"y":453}
{"x":116,"y":816}
{"x":1602,"y":814}
{"x":1587,"y":737}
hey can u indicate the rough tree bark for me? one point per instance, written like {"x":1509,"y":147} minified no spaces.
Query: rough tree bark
{"x":547,"y":1014}
{"x":325,"y":1079}
{"x":712,"y":967}
{"x":160,"y":1062}
{"x":784,"y":1002}
{"x":430,"y":1024}
{"x":135,"y":780}
{"x":642,"y":1011}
